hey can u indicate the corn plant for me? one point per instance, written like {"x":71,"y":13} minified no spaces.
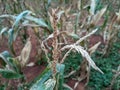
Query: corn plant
{"x":57,"y":21}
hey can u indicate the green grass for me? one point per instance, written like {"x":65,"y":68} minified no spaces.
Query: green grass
{"x":98,"y":81}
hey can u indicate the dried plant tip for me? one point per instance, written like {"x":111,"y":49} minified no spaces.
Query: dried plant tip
{"x":118,"y":17}
{"x":93,"y":48}
{"x":92,"y":7}
{"x":97,"y":17}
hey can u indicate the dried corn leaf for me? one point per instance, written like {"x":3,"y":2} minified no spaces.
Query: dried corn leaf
{"x":93,"y":48}
{"x":98,"y":16}
{"x":51,"y":19}
{"x":85,"y":54}
{"x":118,"y":16}
{"x":67,"y":12}
{"x":92,"y":7}
{"x":59,"y":14}
{"x":25,"y":53}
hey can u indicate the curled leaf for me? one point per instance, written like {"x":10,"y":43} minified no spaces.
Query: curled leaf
{"x":25,"y":53}
{"x":4,"y":55}
{"x":21,"y":16}
{"x":3,"y":31}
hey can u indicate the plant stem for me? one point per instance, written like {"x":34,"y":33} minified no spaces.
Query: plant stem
{"x":55,"y":44}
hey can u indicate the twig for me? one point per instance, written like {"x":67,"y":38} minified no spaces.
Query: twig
{"x":66,"y":55}
{"x":65,"y":85}
{"x":71,"y":73}
{"x":46,"y":52}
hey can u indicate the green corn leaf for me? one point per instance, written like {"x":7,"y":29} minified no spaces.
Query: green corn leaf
{"x":3,"y":87}
{"x":48,"y":3}
{"x":60,"y":76}
{"x":75,"y":36}
{"x":9,"y":74}
{"x":10,"y":35}
{"x":49,"y":84}
{"x":43,"y":81}
{"x":50,"y":27}
{"x":38,"y":84}
{"x":15,"y":28}
{"x":60,"y":68}
{"x":76,"y":22}
{"x":4,"y":55}
{"x":4,"y":30}
{"x":38,"y":21}
{"x":14,"y":63}
{"x":7,"y":58}
{"x":19,"y":17}
{"x":11,"y":39}
{"x":8,"y":16}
